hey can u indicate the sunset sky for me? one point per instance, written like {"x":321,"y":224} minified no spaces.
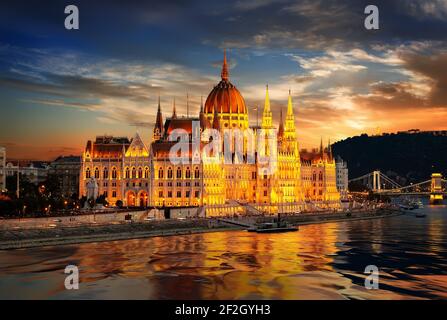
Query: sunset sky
{"x":59,"y":88}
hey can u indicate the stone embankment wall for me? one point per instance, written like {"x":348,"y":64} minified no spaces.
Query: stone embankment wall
{"x":71,"y":221}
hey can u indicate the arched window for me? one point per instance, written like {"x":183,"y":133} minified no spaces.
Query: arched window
{"x":169,"y":173}
{"x":188,"y":173}
{"x":179,"y":173}
{"x":140,"y":173}
{"x":105,"y":174}
{"x":146,"y":172}
{"x":96,"y":173}
{"x":160,"y":173}
{"x":196,"y":173}
{"x":134,"y":172}
{"x":113,"y":173}
{"x":127,"y":173}
{"x":87,"y":173}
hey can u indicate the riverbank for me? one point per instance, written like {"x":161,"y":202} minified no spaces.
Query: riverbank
{"x":28,"y":238}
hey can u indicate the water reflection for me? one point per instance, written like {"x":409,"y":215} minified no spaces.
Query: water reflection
{"x":323,"y":261}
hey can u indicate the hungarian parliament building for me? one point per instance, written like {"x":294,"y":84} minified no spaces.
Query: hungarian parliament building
{"x":194,"y":162}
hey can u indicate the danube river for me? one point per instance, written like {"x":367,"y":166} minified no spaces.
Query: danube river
{"x":322,"y":261}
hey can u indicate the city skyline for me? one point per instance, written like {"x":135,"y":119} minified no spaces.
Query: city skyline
{"x":60,"y":88}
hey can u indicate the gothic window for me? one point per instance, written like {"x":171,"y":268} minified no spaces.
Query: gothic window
{"x":105,"y":174}
{"x":169,"y":173}
{"x":134,"y":172}
{"x":179,"y":173}
{"x":160,"y":173}
{"x":127,"y":173}
{"x":196,"y":173}
{"x":87,"y":173}
{"x":96,"y":173}
{"x":146,"y":172}
{"x":188,"y":173}
{"x":140,"y":173}
{"x":113,"y":173}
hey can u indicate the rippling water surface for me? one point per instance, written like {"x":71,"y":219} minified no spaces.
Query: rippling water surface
{"x":324,"y":261}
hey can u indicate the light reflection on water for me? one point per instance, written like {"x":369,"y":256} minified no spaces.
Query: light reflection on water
{"x":324,"y":261}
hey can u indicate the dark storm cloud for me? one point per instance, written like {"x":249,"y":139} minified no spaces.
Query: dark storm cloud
{"x":267,"y":24}
{"x":392,"y":96}
{"x":318,"y":24}
{"x":75,"y":86}
{"x":435,"y":68}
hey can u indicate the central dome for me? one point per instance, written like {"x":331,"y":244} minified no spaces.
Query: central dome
{"x":225,"y":98}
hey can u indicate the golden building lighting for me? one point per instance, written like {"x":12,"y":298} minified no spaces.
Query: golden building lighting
{"x":217,"y":182}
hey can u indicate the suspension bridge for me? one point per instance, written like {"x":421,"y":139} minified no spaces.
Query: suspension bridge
{"x":379,"y":183}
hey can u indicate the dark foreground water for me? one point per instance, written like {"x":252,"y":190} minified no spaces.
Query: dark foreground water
{"x":324,"y":261}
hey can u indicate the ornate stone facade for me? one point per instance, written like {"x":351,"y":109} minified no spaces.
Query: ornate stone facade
{"x":189,"y":164}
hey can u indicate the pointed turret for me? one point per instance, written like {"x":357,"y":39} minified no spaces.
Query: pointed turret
{"x":329,"y":150}
{"x":174,"y":111}
{"x":158,"y":128}
{"x":225,"y":74}
{"x":321,"y":148}
{"x":267,"y":113}
{"x":281,"y":127}
{"x":187,"y":105}
{"x":290,"y":118}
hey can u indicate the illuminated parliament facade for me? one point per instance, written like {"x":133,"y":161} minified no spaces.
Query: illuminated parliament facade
{"x":200,"y":162}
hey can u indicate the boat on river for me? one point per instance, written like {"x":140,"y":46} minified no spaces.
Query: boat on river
{"x":272,"y":227}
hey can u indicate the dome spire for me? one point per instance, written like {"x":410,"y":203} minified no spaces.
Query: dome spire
{"x":224,"y":74}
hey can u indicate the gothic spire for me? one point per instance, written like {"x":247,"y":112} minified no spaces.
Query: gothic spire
{"x":281,"y":125}
{"x":329,"y":149}
{"x":321,"y":147}
{"x":289,"y":105}
{"x":267,"y":113}
{"x":158,"y":128}
{"x":174,"y":111}
{"x":290,"y":118}
{"x":187,"y":105}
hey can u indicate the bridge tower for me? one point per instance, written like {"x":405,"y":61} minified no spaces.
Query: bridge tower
{"x":436,"y":196}
{"x":376,"y":181}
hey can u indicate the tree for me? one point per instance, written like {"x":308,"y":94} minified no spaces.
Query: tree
{"x":102,"y":200}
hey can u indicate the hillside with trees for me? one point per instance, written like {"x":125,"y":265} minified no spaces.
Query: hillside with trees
{"x":406,"y":157}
